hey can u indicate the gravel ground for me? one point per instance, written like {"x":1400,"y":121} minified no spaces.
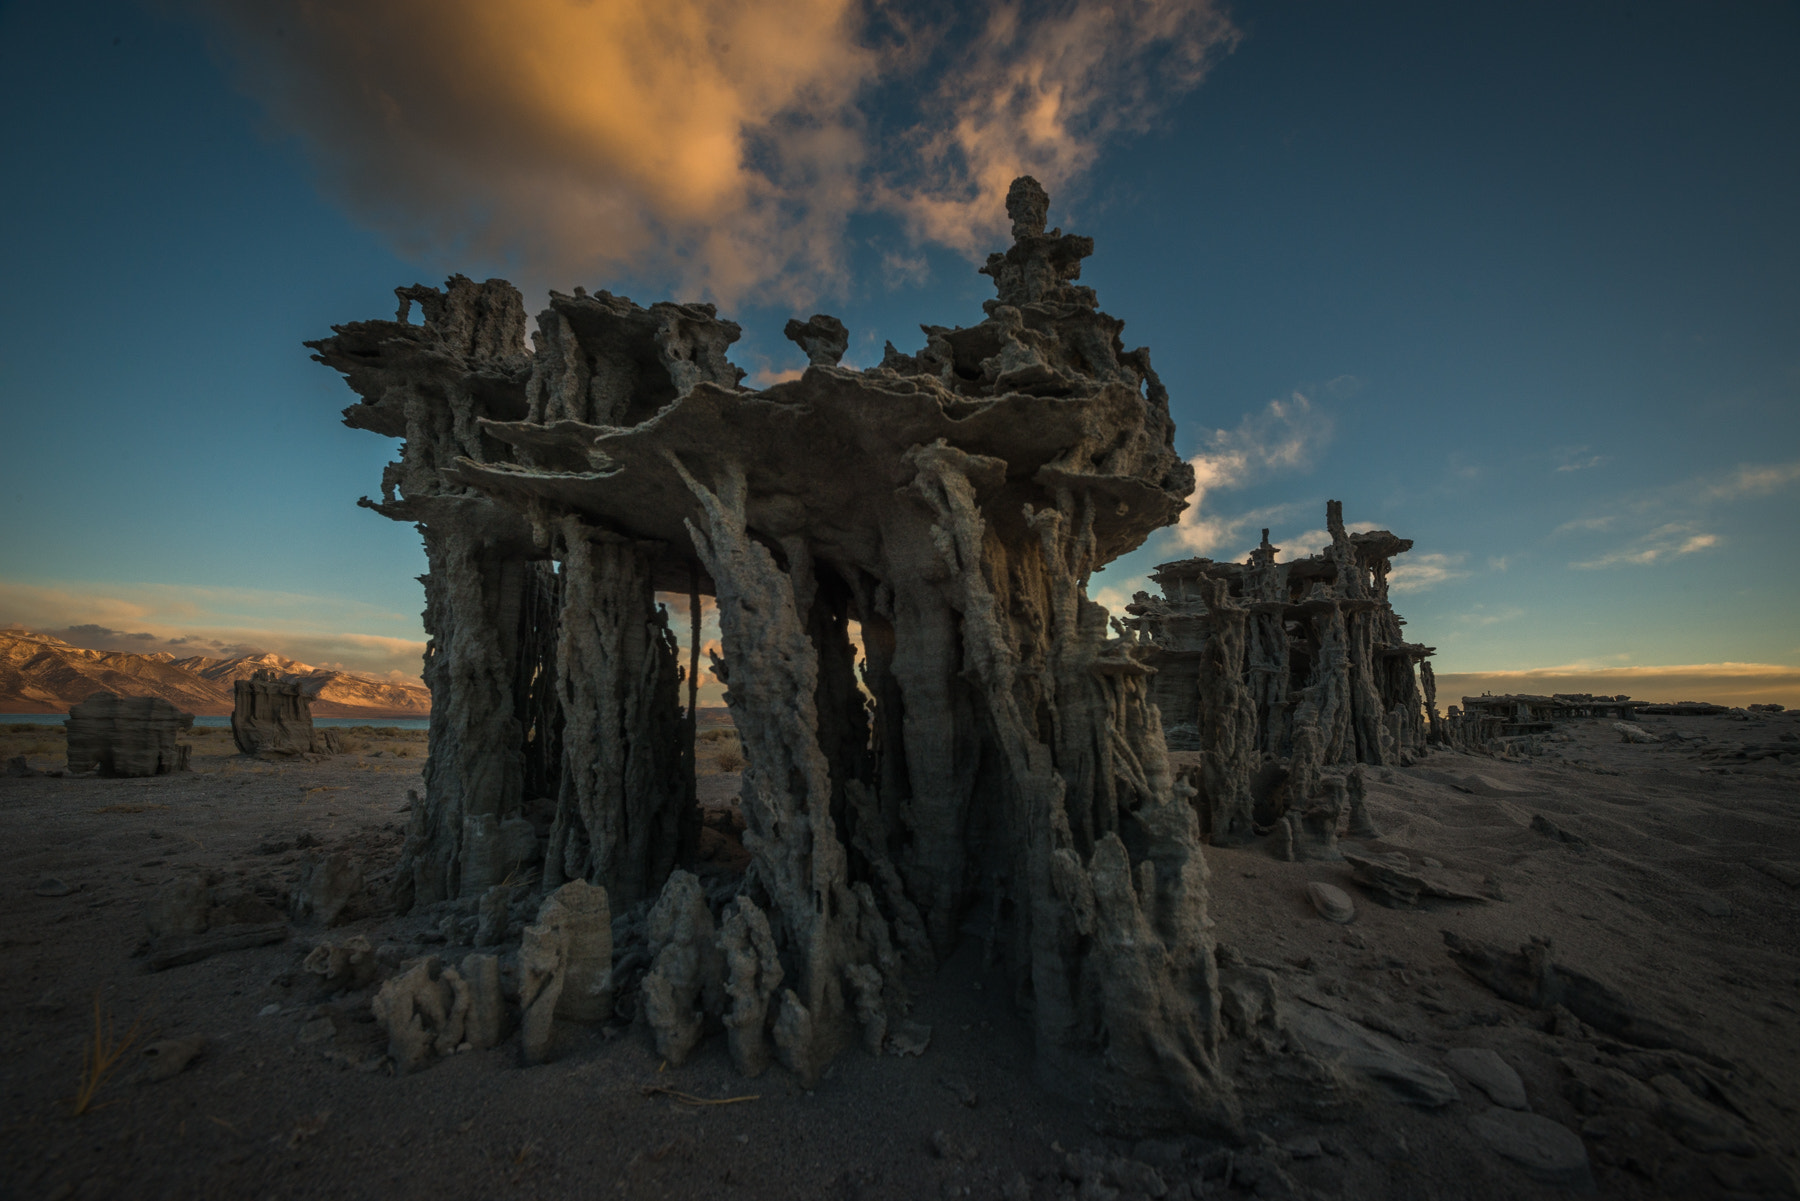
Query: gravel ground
{"x":1670,"y":871}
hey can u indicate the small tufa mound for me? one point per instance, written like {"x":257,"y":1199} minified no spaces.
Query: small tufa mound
{"x":430,"y":1010}
{"x":565,"y":964}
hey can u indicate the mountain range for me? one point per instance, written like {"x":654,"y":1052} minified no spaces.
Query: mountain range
{"x":43,"y":674}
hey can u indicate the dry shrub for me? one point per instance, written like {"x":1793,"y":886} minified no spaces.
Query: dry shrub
{"x":100,"y":1056}
{"x":730,"y":759}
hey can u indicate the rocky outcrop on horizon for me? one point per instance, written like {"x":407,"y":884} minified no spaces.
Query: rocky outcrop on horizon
{"x":40,"y":673}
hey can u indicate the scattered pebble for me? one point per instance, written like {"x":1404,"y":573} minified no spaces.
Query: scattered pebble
{"x":171,"y":1056}
{"x":1489,"y":1073}
{"x":1546,"y":1150}
{"x":908,"y":1038}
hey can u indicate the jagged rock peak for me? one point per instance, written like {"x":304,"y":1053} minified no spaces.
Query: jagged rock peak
{"x":480,"y":321}
{"x":1039,"y":267}
{"x":823,"y":338}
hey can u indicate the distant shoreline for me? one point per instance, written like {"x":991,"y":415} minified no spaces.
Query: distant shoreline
{"x":404,"y":721}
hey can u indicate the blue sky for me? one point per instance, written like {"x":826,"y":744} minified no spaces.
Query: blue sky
{"x":1519,"y":282}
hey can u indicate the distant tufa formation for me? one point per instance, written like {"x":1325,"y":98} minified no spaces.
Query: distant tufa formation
{"x":273,"y":716}
{"x":1278,"y":678}
{"x":127,"y":736}
{"x":995,"y":762}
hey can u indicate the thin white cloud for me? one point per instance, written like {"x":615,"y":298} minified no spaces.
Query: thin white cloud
{"x":1666,"y":542}
{"x":1582,"y":464}
{"x":1587,"y":524}
{"x":1416,"y":573}
{"x":1286,"y":435}
{"x":1670,"y":522}
{"x":1751,"y":479}
{"x":1481,"y":615}
{"x":900,"y":269}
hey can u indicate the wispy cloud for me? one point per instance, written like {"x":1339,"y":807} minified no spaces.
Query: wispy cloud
{"x":1416,"y":573}
{"x":1586,"y":524}
{"x":720,"y":147}
{"x":1481,"y":615}
{"x":901,"y":269}
{"x":1045,"y":89}
{"x":1577,"y":458}
{"x":1670,"y":541}
{"x":1285,"y":435}
{"x":1751,"y":479}
{"x":1667,"y":523}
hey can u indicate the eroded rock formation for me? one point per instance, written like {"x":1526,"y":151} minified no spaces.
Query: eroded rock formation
{"x":273,"y":716}
{"x":1510,"y":724}
{"x":952,"y":503}
{"x":127,"y":736}
{"x":1279,"y":677}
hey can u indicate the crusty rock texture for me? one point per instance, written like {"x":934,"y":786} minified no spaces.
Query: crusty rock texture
{"x":127,"y":736}
{"x":565,"y":963}
{"x":951,"y":504}
{"x":1285,"y":675}
{"x":273,"y":716}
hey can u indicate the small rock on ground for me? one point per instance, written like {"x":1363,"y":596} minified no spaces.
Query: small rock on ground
{"x":1546,"y":1150}
{"x":1332,"y":902}
{"x":1489,"y":1073}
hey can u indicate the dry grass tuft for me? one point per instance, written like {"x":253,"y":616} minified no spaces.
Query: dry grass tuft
{"x":101,"y":1056}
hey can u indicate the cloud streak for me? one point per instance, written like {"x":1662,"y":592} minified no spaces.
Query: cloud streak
{"x":1670,"y":522}
{"x":1665,"y":542}
{"x":721,"y":147}
{"x":1417,"y":573}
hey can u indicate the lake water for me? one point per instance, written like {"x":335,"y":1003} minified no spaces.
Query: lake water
{"x":224,"y":723}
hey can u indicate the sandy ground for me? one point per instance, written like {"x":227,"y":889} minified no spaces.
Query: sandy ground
{"x":1673,"y":882}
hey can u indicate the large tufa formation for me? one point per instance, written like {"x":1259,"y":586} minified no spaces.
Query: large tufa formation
{"x":1275,"y":679}
{"x":995,"y":755}
{"x":127,"y":736}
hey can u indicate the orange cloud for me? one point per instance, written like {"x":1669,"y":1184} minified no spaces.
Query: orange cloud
{"x":717,"y":145}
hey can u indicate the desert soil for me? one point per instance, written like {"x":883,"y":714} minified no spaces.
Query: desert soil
{"x":1673,"y":880}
